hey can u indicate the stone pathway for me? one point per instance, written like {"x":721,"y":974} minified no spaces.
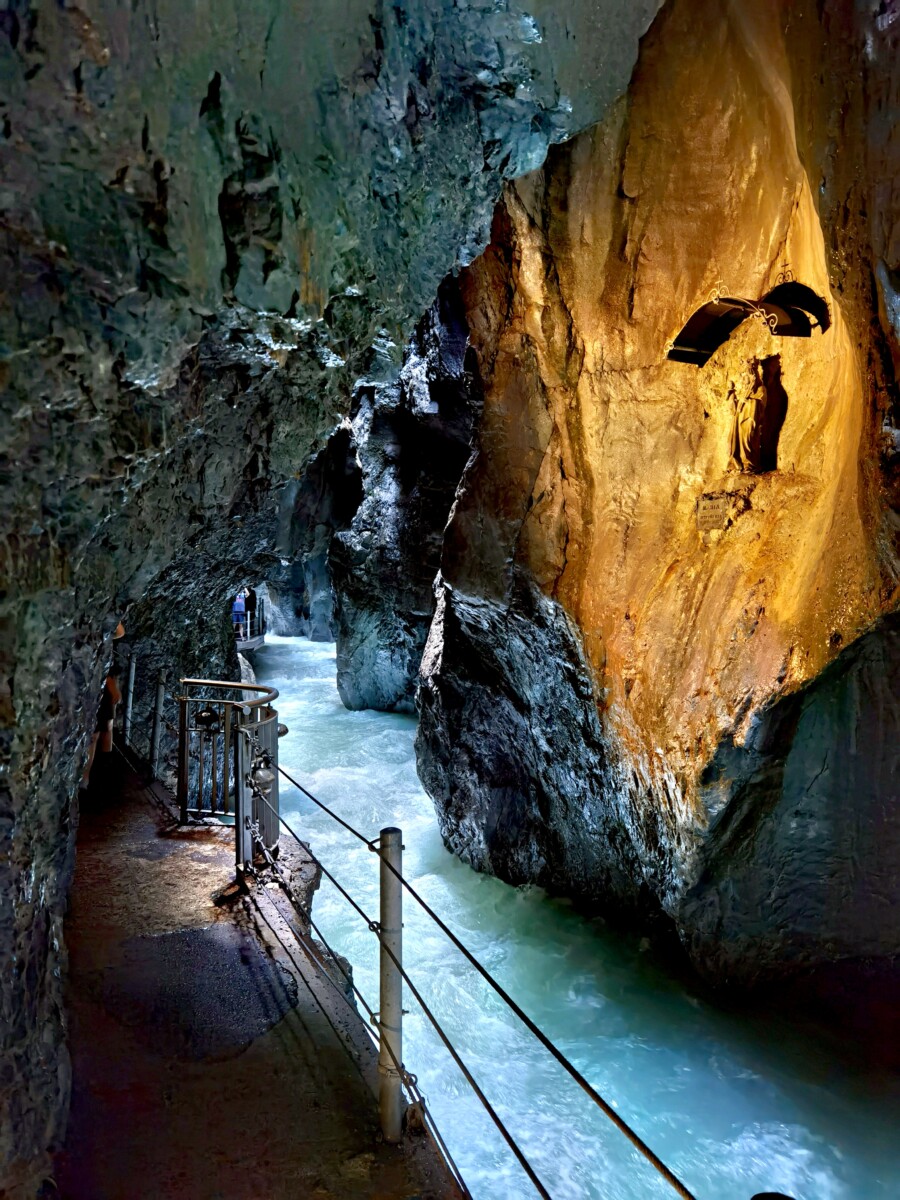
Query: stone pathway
{"x":211,"y":1059}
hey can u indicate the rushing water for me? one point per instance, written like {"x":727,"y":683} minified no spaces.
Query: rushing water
{"x":733,"y":1105}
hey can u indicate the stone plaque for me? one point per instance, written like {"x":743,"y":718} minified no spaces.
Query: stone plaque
{"x":712,"y":512}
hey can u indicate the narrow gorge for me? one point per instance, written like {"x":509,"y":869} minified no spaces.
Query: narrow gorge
{"x":546,"y":358}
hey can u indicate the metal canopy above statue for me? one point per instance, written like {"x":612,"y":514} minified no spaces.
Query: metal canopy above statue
{"x":790,"y":309}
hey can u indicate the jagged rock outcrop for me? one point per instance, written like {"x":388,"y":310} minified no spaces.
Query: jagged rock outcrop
{"x":514,"y":753}
{"x":595,"y":456}
{"x":413,"y":438}
{"x":804,"y":857}
{"x":169,"y":172}
{"x":325,"y":501}
{"x":286,"y":596}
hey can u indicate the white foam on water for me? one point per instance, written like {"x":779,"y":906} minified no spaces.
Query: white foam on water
{"x":733,"y":1106}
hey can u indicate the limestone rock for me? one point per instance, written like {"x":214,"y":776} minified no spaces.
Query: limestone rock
{"x":324,"y":503}
{"x":511,"y":747}
{"x":803,"y":865}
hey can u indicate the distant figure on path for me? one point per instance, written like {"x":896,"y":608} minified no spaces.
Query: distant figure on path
{"x":106,"y":713}
{"x":250,"y":603}
{"x":238,"y":612}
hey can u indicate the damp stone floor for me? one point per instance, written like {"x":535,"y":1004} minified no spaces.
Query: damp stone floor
{"x":210,"y":1057}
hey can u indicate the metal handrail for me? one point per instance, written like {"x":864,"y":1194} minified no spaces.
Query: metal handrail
{"x":270,"y":692}
{"x":237,"y":712}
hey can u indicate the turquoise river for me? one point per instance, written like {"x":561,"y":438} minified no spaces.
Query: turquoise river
{"x":735,"y":1104}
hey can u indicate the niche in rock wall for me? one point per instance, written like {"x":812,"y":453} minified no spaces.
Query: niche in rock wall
{"x":760,"y":405}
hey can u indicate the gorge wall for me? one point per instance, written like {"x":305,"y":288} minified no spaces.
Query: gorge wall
{"x":413,"y":438}
{"x":214,"y":220}
{"x":616,"y":702}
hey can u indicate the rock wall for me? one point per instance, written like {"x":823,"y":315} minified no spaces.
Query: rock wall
{"x":413,"y":438}
{"x":805,"y":856}
{"x":151,"y":508}
{"x":214,"y":218}
{"x":512,"y":748}
{"x":326,"y":499}
{"x":621,"y":648}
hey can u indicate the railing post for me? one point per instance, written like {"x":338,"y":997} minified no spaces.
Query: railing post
{"x":268,"y":818}
{"x":226,"y":764}
{"x":156,"y":730}
{"x":183,"y":757}
{"x":129,"y":697}
{"x":243,"y":800}
{"x":390,"y":1099}
{"x":238,"y":799}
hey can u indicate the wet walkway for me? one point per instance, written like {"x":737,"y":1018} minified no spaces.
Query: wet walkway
{"x":210,"y":1058}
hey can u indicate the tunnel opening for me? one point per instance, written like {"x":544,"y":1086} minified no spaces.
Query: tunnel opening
{"x":327,"y":496}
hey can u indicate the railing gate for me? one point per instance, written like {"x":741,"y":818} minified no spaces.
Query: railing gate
{"x":222,"y":726}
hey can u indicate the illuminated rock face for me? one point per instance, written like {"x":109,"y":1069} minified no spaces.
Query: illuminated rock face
{"x":648,"y":644}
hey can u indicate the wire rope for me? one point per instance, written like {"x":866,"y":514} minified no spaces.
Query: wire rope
{"x":605,"y":1107}
{"x":633,"y":1137}
{"x":324,"y":807}
{"x":454,"y":1054}
{"x":409,"y":1080}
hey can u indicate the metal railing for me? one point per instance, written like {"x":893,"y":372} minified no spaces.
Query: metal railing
{"x":392,"y":972}
{"x":388,"y":1019}
{"x":213,"y":762}
{"x":214,"y":759}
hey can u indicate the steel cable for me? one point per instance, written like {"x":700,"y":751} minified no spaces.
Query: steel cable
{"x":324,"y":807}
{"x":328,"y":875}
{"x":467,"y":1074}
{"x":307,"y":916}
{"x":564,"y":1062}
{"x":409,"y":1080}
{"x":605,"y":1107}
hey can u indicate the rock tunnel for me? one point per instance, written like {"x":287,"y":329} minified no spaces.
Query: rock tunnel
{"x":438,"y":320}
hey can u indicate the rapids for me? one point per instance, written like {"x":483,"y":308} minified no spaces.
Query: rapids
{"x":734,"y":1104}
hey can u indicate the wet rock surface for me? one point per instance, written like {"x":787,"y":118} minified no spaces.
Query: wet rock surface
{"x":412,"y":438}
{"x":511,"y":747}
{"x":325,"y":501}
{"x":802,"y":865}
